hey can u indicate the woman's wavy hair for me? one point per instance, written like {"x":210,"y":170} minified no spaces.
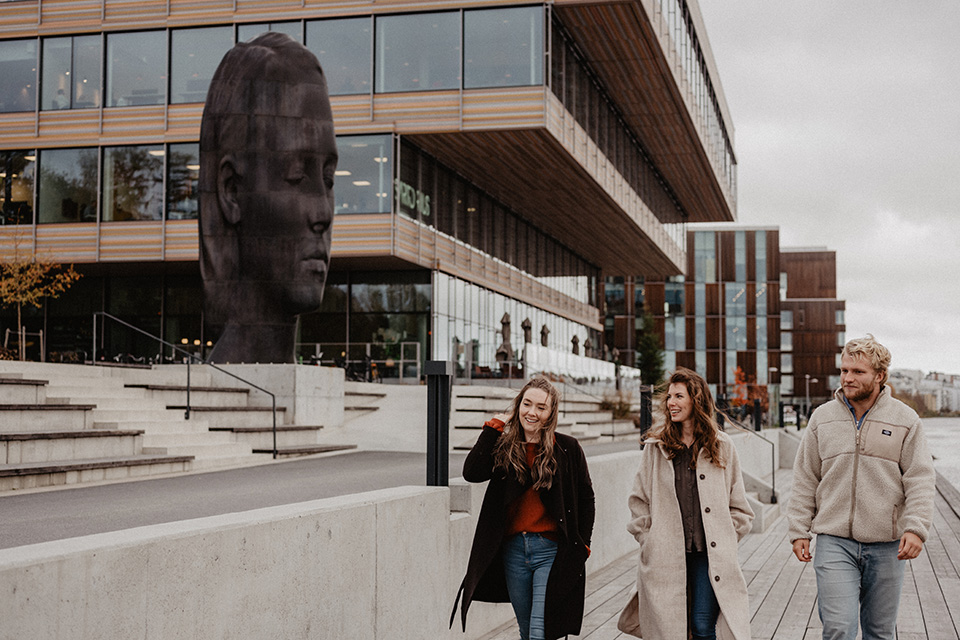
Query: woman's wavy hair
{"x":510,"y":454}
{"x":705,"y":427}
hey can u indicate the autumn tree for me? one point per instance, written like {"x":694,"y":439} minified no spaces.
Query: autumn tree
{"x":26,"y":279}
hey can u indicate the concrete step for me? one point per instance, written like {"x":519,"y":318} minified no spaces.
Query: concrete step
{"x":157,"y":426}
{"x":81,"y":391}
{"x":45,"y":417}
{"x":235,"y":416}
{"x":201,"y":396}
{"x":306,"y":450}
{"x":26,"y":447}
{"x":22,"y":391}
{"x":136,"y":415}
{"x":112,"y":403}
{"x":200,"y":451}
{"x":287,"y":435}
{"x":64,"y":472}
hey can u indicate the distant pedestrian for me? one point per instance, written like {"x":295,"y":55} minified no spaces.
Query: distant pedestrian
{"x":688,"y":512}
{"x":864,"y":482}
{"x":533,"y":532}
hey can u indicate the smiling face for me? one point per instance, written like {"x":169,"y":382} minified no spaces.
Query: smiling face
{"x":679,"y":403}
{"x":533,"y":413}
{"x":861,"y":382}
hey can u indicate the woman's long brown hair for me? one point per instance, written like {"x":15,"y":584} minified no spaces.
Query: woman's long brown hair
{"x":705,"y":427}
{"x":510,"y":454}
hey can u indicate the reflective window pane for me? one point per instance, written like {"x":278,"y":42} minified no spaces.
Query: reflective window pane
{"x":503,"y":47}
{"x":86,"y":72}
{"x":17,"y":169}
{"x":343,"y":48}
{"x":183,"y":172}
{"x":57,"y":64}
{"x":194,"y":56}
{"x":18,"y":75}
{"x":136,"y":68}
{"x":418,"y":52}
{"x":364,"y":178}
{"x":132,"y":183}
{"x":247,"y":32}
{"x":68,"y":185}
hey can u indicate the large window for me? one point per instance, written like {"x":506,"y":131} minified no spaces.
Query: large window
{"x":364,"y":178}
{"x":503,"y":47}
{"x":18,"y":75}
{"x":418,"y":52}
{"x":17,"y":170}
{"x":136,"y":68}
{"x":133,"y":183}
{"x":183,"y":173}
{"x":194,"y":55}
{"x":71,"y":73}
{"x":68,"y":185}
{"x":343,"y":48}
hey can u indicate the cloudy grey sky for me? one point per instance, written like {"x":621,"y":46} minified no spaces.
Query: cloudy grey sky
{"x":847,"y":134}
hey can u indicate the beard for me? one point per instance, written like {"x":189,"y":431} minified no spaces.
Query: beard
{"x":861,"y":395}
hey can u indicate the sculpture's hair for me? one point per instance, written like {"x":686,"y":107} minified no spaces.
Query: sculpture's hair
{"x":510,"y":454}
{"x":255,"y":79}
{"x":872,"y":351}
{"x":705,"y":427}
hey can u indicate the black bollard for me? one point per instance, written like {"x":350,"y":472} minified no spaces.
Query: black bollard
{"x":439,"y":375}
{"x":757,"y":415}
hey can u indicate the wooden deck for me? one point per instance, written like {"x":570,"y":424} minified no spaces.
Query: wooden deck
{"x":783,"y":592}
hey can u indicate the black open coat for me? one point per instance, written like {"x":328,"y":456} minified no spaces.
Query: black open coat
{"x":569,"y":502}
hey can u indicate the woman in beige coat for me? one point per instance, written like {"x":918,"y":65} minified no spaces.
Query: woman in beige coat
{"x":689,"y":511}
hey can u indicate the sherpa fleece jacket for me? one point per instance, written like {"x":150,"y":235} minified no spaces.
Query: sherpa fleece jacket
{"x":871,"y":484}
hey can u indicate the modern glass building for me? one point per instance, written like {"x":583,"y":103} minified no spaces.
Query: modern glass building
{"x":495,"y":158}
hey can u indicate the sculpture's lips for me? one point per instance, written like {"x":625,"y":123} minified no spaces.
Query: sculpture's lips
{"x":317,"y":265}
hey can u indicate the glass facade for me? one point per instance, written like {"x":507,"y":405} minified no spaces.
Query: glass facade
{"x":343,"y":47}
{"x":503,"y":47}
{"x":194,"y":56}
{"x":71,"y":73}
{"x":17,"y":175}
{"x":136,"y":68}
{"x":68,"y":185}
{"x":418,"y":52}
{"x":364,"y":176}
{"x":183,"y":174}
{"x":133,"y":183}
{"x":18,"y":75}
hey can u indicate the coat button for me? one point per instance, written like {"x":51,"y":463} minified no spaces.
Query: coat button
{"x":707,"y":510}
{"x":713,"y":544}
{"x":716,"y":578}
{"x":702,"y":476}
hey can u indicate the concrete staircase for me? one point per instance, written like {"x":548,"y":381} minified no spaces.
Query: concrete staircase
{"x":65,"y":424}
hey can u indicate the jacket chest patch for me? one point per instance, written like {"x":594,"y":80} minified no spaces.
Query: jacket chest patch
{"x":887,"y":432}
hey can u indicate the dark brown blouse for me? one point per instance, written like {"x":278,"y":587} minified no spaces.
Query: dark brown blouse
{"x":685,"y":482}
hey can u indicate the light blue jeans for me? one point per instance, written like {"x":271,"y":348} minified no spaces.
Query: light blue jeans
{"x":704,"y":608}
{"x":527,"y":559}
{"x":857,"y":577}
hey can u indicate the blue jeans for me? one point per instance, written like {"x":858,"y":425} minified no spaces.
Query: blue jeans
{"x":527,"y":558}
{"x":704,"y":608}
{"x":857,"y":577}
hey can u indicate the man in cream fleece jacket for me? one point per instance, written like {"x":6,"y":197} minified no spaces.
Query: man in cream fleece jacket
{"x":863,"y":481}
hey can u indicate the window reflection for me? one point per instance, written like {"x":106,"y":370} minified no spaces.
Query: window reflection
{"x":418,"y":52}
{"x":194,"y":57}
{"x":133,"y":183}
{"x":183,"y":172}
{"x":364,"y":178}
{"x":68,"y":185}
{"x":16,"y":186}
{"x":18,"y":75}
{"x":136,"y":68}
{"x":71,"y":73}
{"x":503,"y":47}
{"x":343,"y":48}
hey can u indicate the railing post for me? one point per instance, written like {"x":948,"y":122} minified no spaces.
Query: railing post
{"x":646,"y":409}
{"x":757,"y":415}
{"x":439,"y":374}
{"x":186,"y":415}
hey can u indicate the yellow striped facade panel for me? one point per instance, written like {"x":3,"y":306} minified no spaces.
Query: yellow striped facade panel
{"x":200,"y":10}
{"x":18,"y":130}
{"x":183,"y":121}
{"x":367,"y":235}
{"x":131,"y":241}
{"x":133,"y":12}
{"x":70,"y":243}
{"x":133,"y":124}
{"x":181,"y":240}
{"x":18,"y":18}
{"x":507,"y":109}
{"x":71,"y":15}
{"x":72,"y":124}
{"x":434,"y":111}
{"x":267,"y":9}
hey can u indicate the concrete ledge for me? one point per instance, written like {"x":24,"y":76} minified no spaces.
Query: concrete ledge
{"x":38,"y":468}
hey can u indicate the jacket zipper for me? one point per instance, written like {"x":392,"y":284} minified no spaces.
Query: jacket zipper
{"x":856,"y":465}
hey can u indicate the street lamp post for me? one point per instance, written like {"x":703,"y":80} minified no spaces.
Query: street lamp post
{"x":809,"y":380}
{"x":774,"y":404}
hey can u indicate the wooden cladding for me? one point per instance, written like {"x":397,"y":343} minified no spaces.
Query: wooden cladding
{"x":810,"y":274}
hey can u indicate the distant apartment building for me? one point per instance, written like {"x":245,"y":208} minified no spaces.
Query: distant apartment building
{"x":938,"y":392}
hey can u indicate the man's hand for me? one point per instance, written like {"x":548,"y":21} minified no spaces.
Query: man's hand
{"x":801,"y":549}
{"x":910,"y":546}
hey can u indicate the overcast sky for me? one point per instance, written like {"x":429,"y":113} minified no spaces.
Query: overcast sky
{"x":847,"y":133}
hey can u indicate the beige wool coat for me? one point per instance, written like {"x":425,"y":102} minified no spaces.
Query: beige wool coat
{"x":658,"y":610}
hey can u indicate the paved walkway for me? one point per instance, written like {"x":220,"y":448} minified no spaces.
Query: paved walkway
{"x":783,"y":592}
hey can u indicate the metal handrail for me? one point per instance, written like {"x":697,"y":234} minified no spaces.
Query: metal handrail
{"x":773,"y":455}
{"x":190,"y":357}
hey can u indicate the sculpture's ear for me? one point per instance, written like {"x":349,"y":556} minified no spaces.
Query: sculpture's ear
{"x":227,"y":177}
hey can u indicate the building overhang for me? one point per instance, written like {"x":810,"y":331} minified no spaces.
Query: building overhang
{"x":621,"y":42}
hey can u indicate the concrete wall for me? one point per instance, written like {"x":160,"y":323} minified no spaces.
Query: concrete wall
{"x":383,"y":565}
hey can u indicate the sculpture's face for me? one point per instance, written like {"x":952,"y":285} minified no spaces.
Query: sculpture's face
{"x":285,"y":198}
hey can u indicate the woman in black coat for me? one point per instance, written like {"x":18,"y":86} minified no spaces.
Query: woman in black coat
{"x":533,"y":532}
